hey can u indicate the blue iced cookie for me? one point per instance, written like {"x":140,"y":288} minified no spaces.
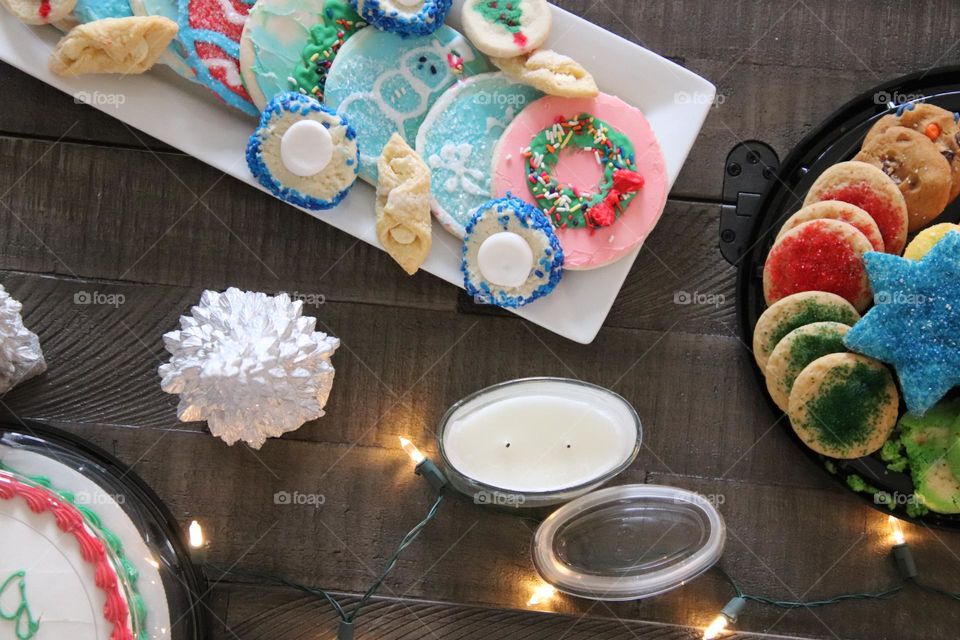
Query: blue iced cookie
{"x":384,"y":84}
{"x":404,"y":17}
{"x":511,"y":256}
{"x":303,"y":152}
{"x":915,"y":325}
{"x":458,"y":140}
{"x":90,"y":10}
{"x":278,"y":33}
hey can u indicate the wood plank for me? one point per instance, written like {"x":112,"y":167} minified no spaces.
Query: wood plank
{"x":239,"y":236}
{"x":399,"y":369}
{"x":258,"y":613}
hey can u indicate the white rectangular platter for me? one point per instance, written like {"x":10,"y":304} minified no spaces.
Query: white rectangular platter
{"x":674,"y":100}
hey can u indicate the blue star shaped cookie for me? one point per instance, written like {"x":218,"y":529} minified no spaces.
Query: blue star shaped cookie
{"x":915,"y":325}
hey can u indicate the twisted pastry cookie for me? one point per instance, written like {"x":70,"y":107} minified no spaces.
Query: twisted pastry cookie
{"x":553,"y":73}
{"x":113,"y":45}
{"x":403,"y":205}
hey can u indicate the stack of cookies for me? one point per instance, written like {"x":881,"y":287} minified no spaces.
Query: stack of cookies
{"x":839,"y":257}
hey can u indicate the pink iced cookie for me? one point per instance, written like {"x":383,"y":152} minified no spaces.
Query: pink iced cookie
{"x":597,"y":246}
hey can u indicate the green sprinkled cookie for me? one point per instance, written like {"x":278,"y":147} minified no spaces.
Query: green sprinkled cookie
{"x":844,"y":405}
{"x":794,"y":312}
{"x":799,"y":348}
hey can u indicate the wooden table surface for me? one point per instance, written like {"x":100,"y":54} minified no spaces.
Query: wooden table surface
{"x":89,"y":205}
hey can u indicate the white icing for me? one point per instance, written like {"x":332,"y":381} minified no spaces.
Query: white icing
{"x":505,"y":259}
{"x":494,"y":123}
{"x":306,"y":148}
{"x":230,"y":13}
{"x":453,"y":158}
{"x":229,"y":67}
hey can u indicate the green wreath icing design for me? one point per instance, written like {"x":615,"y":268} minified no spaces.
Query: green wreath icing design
{"x":568,"y":205}
{"x":339,"y":24}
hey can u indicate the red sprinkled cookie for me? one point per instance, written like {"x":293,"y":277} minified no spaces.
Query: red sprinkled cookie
{"x":914,"y":163}
{"x":872,"y":190}
{"x":821,"y":255}
{"x":836,"y":210}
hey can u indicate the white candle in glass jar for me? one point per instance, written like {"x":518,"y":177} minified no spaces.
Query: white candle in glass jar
{"x":540,"y":435}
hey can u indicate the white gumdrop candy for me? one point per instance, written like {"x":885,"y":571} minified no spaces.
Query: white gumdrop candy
{"x":505,"y":259}
{"x":306,"y":148}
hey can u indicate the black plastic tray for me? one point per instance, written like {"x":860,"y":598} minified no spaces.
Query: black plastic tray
{"x":156,"y":522}
{"x":836,"y":140}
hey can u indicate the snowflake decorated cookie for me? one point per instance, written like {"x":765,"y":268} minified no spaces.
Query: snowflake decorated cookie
{"x":404,"y":17}
{"x":593,"y":167}
{"x":506,"y":28}
{"x":511,"y":255}
{"x":90,"y":10}
{"x":210,"y":32}
{"x":385,"y":84}
{"x":915,"y":325}
{"x":304,"y":153}
{"x":458,"y":140}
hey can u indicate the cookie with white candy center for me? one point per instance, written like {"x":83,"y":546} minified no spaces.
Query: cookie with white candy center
{"x":511,"y":256}
{"x":506,"y":28}
{"x":404,"y":17}
{"x":303,"y":152}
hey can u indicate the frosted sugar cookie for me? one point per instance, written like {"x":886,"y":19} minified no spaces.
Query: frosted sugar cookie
{"x":836,"y":210}
{"x":872,"y":190}
{"x":593,"y":166}
{"x":506,"y":28}
{"x":821,"y":255}
{"x":210,"y":32}
{"x":799,"y":348}
{"x":384,"y":84}
{"x":927,"y":240}
{"x":458,"y":139}
{"x":303,"y":153}
{"x":844,"y":405}
{"x":340,"y":23}
{"x":274,"y":34}
{"x":796,"y":311}
{"x":511,"y":255}
{"x":404,"y":17}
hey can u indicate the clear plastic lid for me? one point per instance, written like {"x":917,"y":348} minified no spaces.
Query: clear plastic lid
{"x":629,"y":542}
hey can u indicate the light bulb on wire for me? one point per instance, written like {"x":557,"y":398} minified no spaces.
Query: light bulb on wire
{"x":412,"y":451}
{"x":727,"y":616}
{"x":541,"y":594}
{"x":896,"y":531}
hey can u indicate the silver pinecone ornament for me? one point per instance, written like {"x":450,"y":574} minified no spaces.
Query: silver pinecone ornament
{"x":249,"y":364}
{"x":20,"y":354}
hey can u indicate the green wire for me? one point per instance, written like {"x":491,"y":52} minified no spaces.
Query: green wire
{"x":812,"y":604}
{"x":937,"y":590}
{"x":317,"y":592}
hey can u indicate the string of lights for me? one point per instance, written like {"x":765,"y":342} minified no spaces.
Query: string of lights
{"x":542,"y":593}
